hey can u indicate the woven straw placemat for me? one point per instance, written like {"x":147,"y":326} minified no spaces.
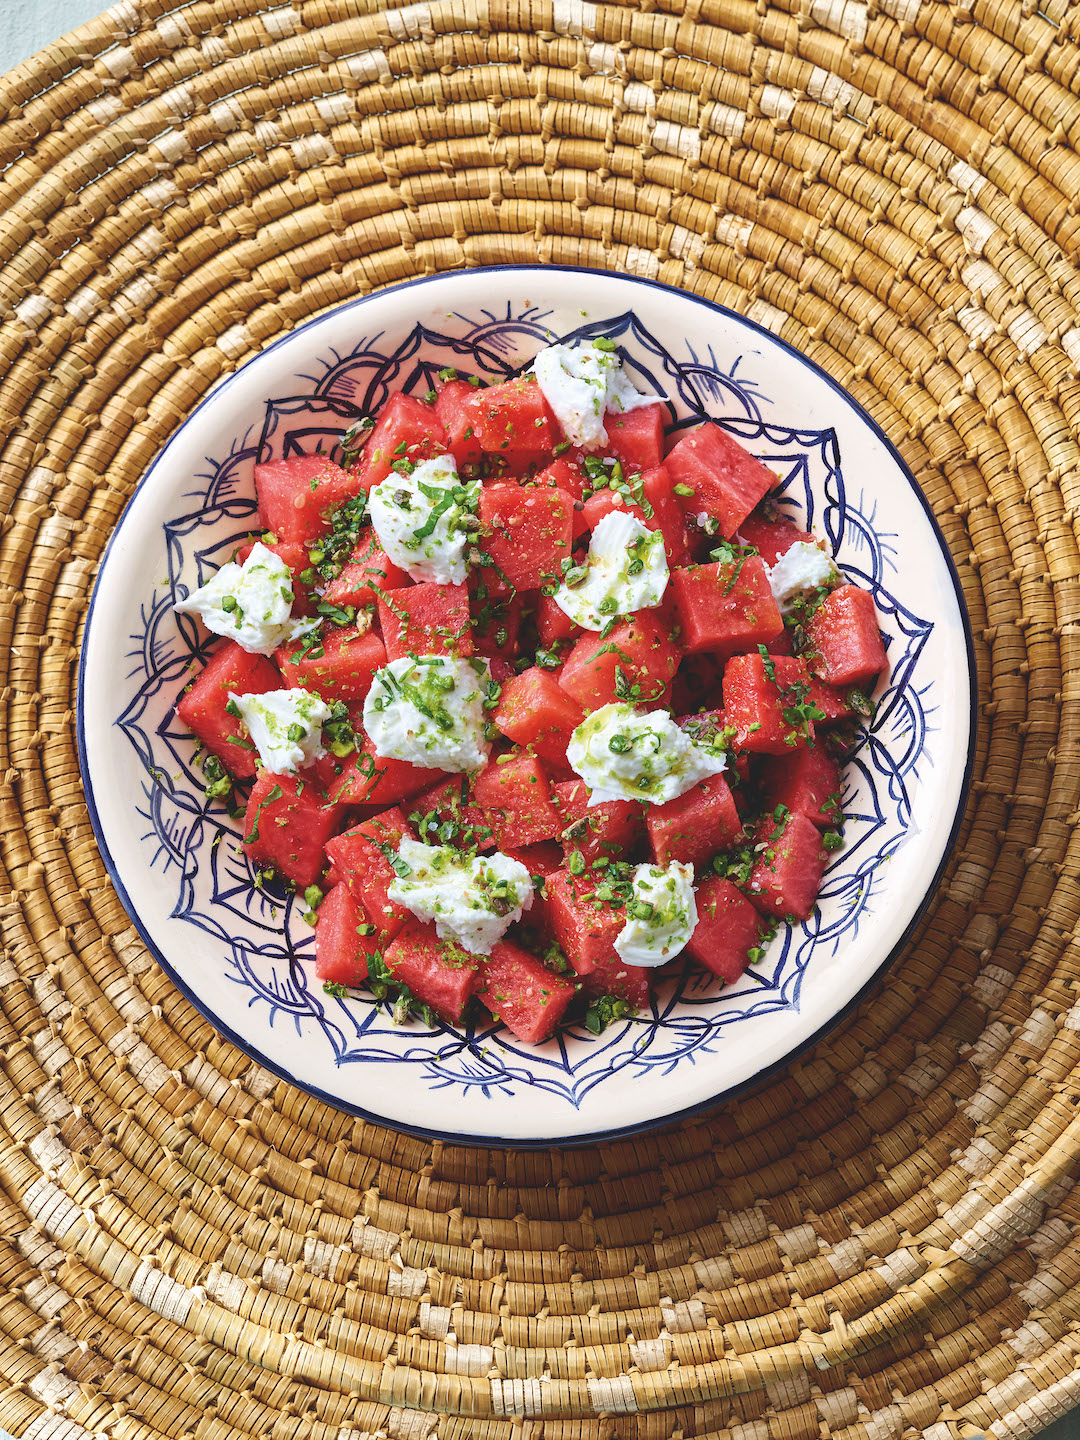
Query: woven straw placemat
{"x":886,"y":1241}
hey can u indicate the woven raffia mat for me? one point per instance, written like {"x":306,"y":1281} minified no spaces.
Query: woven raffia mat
{"x":885,"y":1242}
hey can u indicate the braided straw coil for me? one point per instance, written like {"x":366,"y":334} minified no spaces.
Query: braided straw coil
{"x":885,"y":1241}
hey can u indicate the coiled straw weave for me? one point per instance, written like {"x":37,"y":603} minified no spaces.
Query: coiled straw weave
{"x":885,"y":1242}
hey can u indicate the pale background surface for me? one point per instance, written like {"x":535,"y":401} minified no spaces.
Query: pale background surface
{"x":26,"y":27}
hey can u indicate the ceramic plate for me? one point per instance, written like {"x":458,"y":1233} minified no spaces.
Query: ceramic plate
{"x":244,"y":956}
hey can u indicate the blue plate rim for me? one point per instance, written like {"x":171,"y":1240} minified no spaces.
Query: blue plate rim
{"x":674,"y":1118}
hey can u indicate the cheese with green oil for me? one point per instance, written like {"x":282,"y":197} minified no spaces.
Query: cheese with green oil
{"x":285,"y":727}
{"x":249,"y":603}
{"x":626,"y":570}
{"x":800,"y":571}
{"x":472,"y":899}
{"x":420,"y":520}
{"x":429,"y":710}
{"x":625,"y":754}
{"x":580,"y":383}
{"x":660,"y":915}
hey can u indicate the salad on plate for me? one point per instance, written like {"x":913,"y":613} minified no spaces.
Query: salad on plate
{"x":530,"y":699}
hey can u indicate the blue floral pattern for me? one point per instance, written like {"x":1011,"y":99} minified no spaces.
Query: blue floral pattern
{"x":267,"y":946}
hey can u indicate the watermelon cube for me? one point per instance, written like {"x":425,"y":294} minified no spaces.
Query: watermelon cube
{"x":368,"y":572}
{"x":636,"y":437}
{"x":537,"y":712}
{"x":426,"y":619}
{"x":496,"y":624}
{"x":513,"y":419}
{"x":635,"y":664}
{"x":696,"y":824}
{"x":725,"y":607}
{"x":364,"y":778}
{"x":772,"y":534}
{"x":612,"y":976}
{"x":833,"y":704}
{"x":765,"y":699}
{"x":202,"y":706}
{"x":724,"y":480}
{"x":515,"y":796}
{"x":453,"y":407}
{"x":610,"y":831}
{"x":553,"y":624}
{"x":447,"y":814}
{"x":585,"y":927}
{"x":564,"y":473}
{"x":524,"y":994}
{"x":286,"y":826}
{"x":341,"y":950}
{"x":437,"y":972}
{"x":787,"y":874}
{"x":526,"y":533}
{"x":543,"y":859}
{"x":338,"y":663}
{"x":728,"y":927}
{"x":360,"y":857}
{"x":660,"y":510}
{"x":843,"y":642}
{"x":806,"y":782}
{"x":297,"y":497}
{"x":407,"y":430}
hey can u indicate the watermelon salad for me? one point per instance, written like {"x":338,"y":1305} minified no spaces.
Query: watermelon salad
{"x":530,"y":700}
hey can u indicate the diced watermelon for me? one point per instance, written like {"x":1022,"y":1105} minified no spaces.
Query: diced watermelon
{"x":543,"y":858}
{"x":710,"y":727}
{"x":807,"y":782}
{"x":585,"y":928}
{"x":286,"y":826}
{"x":525,"y":995}
{"x":667,"y":515}
{"x":787,"y":874}
{"x":609,"y":831}
{"x":634,"y":664}
{"x":297,"y":496}
{"x":451,"y":803}
{"x":513,"y":419}
{"x":780,"y":644}
{"x":772,"y":535}
{"x":536,"y":711}
{"x":757,"y":692}
{"x":526,"y":532}
{"x":725,"y":607}
{"x":369,"y":570}
{"x":612,"y":976}
{"x":453,"y":407}
{"x":496,"y":623}
{"x":426,"y":619}
{"x":565,"y":474}
{"x":438,"y":972}
{"x":843,"y":642}
{"x":364,"y":778}
{"x":515,"y":797}
{"x":833,"y":704}
{"x":342,"y":671}
{"x":695,"y":824}
{"x":725,"y":480}
{"x":553,"y":624}
{"x":295,"y":556}
{"x":636,"y":437}
{"x":341,"y":951}
{"x":728,"y":926}
{"x":202,"y":707}
{"x":407,"y":429}
{"x":365,"y":869}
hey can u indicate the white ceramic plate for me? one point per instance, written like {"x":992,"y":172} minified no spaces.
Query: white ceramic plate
{"x":243,"y":957}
